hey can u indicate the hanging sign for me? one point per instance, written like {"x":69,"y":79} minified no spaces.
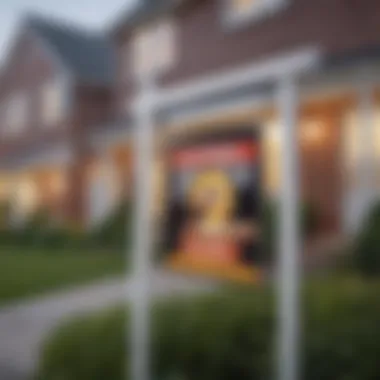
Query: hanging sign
{"x":214,"y":222}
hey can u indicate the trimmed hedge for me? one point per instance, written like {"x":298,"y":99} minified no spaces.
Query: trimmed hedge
{"x":40,"y":232}
{"x":227,"y":336}
{"x":116,"y":229}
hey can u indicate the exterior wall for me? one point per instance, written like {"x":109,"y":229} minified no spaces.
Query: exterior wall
{"x":206,"y":43}
{"x":322,"y":168}
{"x":28,"y":68}
{"x":125,"y":86}
{"x":92,"y":107}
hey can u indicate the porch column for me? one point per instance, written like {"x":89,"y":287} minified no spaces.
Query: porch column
{"x":289,"y":235}
{"x":367,"y":173}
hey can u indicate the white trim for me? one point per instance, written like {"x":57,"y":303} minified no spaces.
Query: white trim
{"x":266,"y":70}
{"x":249,"y":103}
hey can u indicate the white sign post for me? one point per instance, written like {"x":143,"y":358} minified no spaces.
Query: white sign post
{"x":148,"y":61}
{"x":289,"y":235}
{"x":283,"y":71}
{"x":140,"y":321}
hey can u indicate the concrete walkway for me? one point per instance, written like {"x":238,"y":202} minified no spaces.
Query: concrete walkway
{"x":24,"y":326}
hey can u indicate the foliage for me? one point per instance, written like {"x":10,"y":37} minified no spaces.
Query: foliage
{"x":308,"y":220}
{"x":40,"y":232}
{"x":226,"y":336}
{"x":115,"y":231}
{"x":367,"y":246}
{"x":4,"y":213}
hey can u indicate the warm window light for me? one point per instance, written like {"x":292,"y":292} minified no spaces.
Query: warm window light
{"x":273,"y":133}
{"x":242,"y":6}
{"x":25,"y":195}
{"x":58,"y":184}
{"x":312,"y":132}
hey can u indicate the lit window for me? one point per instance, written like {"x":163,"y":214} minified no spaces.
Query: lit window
{"x":272,"y":158}
{"x":154,"y":49}
{"x":244,"y":6}
{"x":16,"y":114}
{"x":243,"y":10}
{"x":52,"y":104}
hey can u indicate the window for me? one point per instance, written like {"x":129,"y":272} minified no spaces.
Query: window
{"x":52,"y":104}
{"x":240,"y":11}
{"x":272,"y":158}
{"x":154,"y":49}
{"x":16,"y":114}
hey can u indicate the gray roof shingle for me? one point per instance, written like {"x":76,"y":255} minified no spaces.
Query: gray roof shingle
{"x":90,"y":56}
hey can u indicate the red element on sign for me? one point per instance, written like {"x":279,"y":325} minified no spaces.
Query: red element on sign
{"x":220,"y":155}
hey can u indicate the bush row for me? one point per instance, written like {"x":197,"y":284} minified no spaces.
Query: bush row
{"x":113,"y":233}
{"x":38,"y":231}
{"x":226,"y":336}
{"x":366,"y":250}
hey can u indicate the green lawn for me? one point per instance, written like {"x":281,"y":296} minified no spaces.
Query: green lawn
{"x":26,"y":273}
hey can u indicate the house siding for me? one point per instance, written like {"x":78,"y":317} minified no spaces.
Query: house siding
{"x":31,"y":65}
{"x":26,"y":71}
{"x":207,"y":44}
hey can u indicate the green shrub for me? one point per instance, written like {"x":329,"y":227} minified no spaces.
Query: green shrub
{"x":367,"y":245}
{"x":227,"y":336}
{"x":40,"y":231}
{"x":308,"y":220}
{"x":115,"y":231}
{"x":4,"y":214}
{"x":90,"y":348}
{"x":33,"y":230}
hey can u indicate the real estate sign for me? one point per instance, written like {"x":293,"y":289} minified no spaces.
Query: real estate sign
{"x":214,"y":221}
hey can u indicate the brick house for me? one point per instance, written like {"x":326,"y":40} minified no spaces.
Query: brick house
{"x":56,"y":83}
{"x":203,"y":44}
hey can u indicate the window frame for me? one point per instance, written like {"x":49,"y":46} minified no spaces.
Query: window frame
{"x":15,"y":121}
{"x":151,"y":33}
{"x":257,"y":12}
{"x":48,"y":121}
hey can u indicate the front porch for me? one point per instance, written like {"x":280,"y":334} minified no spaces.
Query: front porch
{"x":338,"y":140}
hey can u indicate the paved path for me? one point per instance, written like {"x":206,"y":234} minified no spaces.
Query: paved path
{"x":24,"y":326}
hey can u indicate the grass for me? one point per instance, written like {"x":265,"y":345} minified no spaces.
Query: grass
{"x":25,"y":273}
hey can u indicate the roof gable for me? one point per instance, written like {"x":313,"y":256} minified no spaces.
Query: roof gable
{"x":89,"y":56}
{"x":144,"y":11}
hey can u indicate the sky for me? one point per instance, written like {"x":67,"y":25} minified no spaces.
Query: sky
{"x":90,"y":13}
